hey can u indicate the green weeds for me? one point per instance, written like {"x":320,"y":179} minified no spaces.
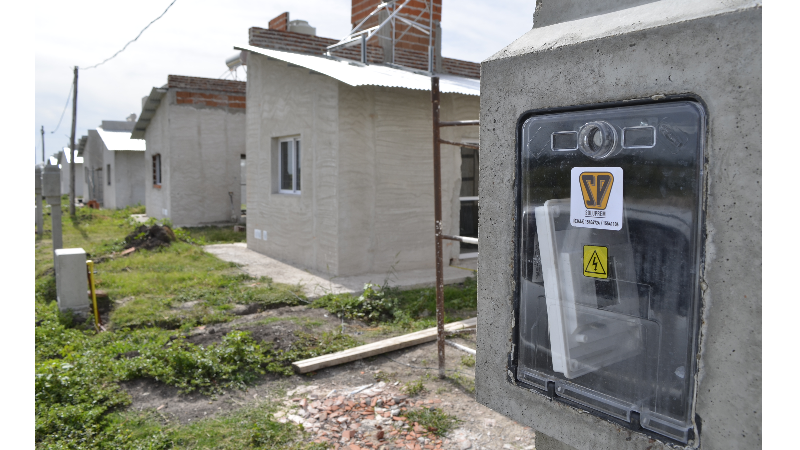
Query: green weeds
{"x":401,"y":310}
{"x":434,"y":420}
{"x":468,"y":360}
{"x":415,"y":387}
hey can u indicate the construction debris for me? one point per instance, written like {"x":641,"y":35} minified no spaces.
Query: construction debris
{"x":371,"y":419}
{"x":149,"y":238}
{"x":377,"y":348}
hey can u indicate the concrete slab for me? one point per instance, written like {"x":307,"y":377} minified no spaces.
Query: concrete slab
{"x":316,"y":284}
{"x":70,"y":264}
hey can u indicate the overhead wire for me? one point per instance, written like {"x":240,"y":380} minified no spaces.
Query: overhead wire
{"x":133,"y":40}
{"x":65,"y":109}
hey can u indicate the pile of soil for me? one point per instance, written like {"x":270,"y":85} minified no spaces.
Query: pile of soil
{"x":149,"y":238}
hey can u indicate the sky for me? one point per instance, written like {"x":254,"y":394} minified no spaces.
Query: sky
{"x":194,"y":38}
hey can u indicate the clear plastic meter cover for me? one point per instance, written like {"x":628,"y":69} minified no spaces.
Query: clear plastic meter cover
{"x":609,"y":260}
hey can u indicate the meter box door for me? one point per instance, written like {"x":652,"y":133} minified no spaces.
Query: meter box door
{"x":608,"y":262}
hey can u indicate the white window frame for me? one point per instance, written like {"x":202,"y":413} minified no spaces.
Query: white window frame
{"x":296,"y":155}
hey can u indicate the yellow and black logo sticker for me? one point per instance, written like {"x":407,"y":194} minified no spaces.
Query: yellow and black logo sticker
{"x":596,"y":189}
{"x":595,"y":261}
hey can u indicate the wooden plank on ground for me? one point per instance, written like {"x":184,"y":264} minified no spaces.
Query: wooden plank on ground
{"x":377,"y":348}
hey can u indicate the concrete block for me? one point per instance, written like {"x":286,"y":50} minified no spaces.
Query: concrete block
{"x":648,"y":52}
{"x":38,"y":184}
{"x":51,"y":182}
{"x":71,"y":280}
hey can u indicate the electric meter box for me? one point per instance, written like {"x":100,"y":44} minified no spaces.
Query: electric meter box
{"x":609,"y":260}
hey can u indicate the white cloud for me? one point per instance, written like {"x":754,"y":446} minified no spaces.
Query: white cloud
{"x":194,"y":38}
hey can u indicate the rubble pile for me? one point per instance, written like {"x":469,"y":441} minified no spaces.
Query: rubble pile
{"x":149,"y":238}
{"x":367,"y":418}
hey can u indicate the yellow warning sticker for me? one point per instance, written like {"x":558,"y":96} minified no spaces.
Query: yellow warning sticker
{"x":595,"y":261}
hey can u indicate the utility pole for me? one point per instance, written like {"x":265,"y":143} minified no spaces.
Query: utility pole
{"x":43,"y":160}
{"x":72,"y":144}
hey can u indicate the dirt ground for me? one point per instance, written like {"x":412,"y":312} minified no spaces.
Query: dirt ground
{"x":481,"y":428}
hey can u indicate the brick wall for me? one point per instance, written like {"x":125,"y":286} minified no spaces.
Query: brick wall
{"x":312,"y":45}
{"x":208,"y":92}
{"x":280,"y":23}
{"x":410,"y":51}
{"x":461,"y":68}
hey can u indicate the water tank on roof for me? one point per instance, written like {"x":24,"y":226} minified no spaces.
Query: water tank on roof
{"x":302,"y":27}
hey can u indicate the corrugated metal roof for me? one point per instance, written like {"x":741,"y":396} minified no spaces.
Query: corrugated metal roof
{"x":358,"y":74}
{"x":121,"y":141}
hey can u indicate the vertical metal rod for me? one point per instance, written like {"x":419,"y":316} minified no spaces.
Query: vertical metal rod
{"x":43,"y":161}
{"x":364,"y":48}
{"x":437,"y":199}
{"x":90,"y":274}
{"x":430,"y":49}
{"x":394,"y":30}
{"x":72,"y":144}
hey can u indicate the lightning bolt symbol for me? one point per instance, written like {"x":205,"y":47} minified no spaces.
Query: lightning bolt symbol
{"x":595,"y":264}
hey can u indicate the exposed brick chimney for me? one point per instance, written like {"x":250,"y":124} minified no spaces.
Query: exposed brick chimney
{"x":411,"y":49}
{"x":280,"y":23}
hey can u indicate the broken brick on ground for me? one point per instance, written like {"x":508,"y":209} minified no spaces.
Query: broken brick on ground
{"x":370,"y":419}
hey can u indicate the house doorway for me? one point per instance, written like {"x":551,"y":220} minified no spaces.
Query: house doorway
{"x":468,"y":219}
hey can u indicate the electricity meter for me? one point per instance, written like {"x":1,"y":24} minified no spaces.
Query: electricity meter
{"x":608,"y":261}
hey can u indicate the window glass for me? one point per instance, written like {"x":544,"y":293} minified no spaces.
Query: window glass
{"x":286,"y":166}
{"x":297,"y":165}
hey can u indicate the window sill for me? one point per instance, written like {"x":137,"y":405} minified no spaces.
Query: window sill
{"x":290,"y":192}
{"x":157,"y":186}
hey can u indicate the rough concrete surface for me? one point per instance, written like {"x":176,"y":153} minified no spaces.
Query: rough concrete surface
{"x":711,"y":49}
{"x":316,"y":284}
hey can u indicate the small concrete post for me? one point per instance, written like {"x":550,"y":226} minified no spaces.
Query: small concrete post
{"x":51,"y":189}
{"x":39,"y":205}
{"x":71,"y":281}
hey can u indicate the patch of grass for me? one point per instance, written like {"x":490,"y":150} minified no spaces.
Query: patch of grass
{"x":386,"y":377}
{"x":302,"y":321}
{"x":415,"y":387}
{"x":468,"y":360}
{"x":462,"y":381}
{"x":252,"y":427}
{"x":402,"y":310}
{"x":79,"y":403}
{"x":214,"y":235}
{"x":434,"y":420}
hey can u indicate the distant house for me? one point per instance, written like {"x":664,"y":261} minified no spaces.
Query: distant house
{"x":340,"y":170}
{"x":195,"y":133}
{"x":63,"y":160}
{"x":115,"y":169}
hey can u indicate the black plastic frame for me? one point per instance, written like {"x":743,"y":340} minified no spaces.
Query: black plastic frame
{"x":513,"y":355}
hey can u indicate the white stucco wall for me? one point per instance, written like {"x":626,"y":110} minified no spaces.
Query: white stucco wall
{"x":367,"y":162}
{"x":127,"y":187}
{"x":157,"y":198}
{"x":286,"y":101}
{"x":200,"y":151}
{"x":65,"y":179}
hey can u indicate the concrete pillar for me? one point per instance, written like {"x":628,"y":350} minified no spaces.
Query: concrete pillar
{"x":624,"y":53}
{"x":51,"y":189}
{"x":39,"y":205}
{"x":545,"y":442}
{"x":71,"y":284}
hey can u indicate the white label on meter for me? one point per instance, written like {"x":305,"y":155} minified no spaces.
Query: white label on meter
{"x":596,"y":198}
